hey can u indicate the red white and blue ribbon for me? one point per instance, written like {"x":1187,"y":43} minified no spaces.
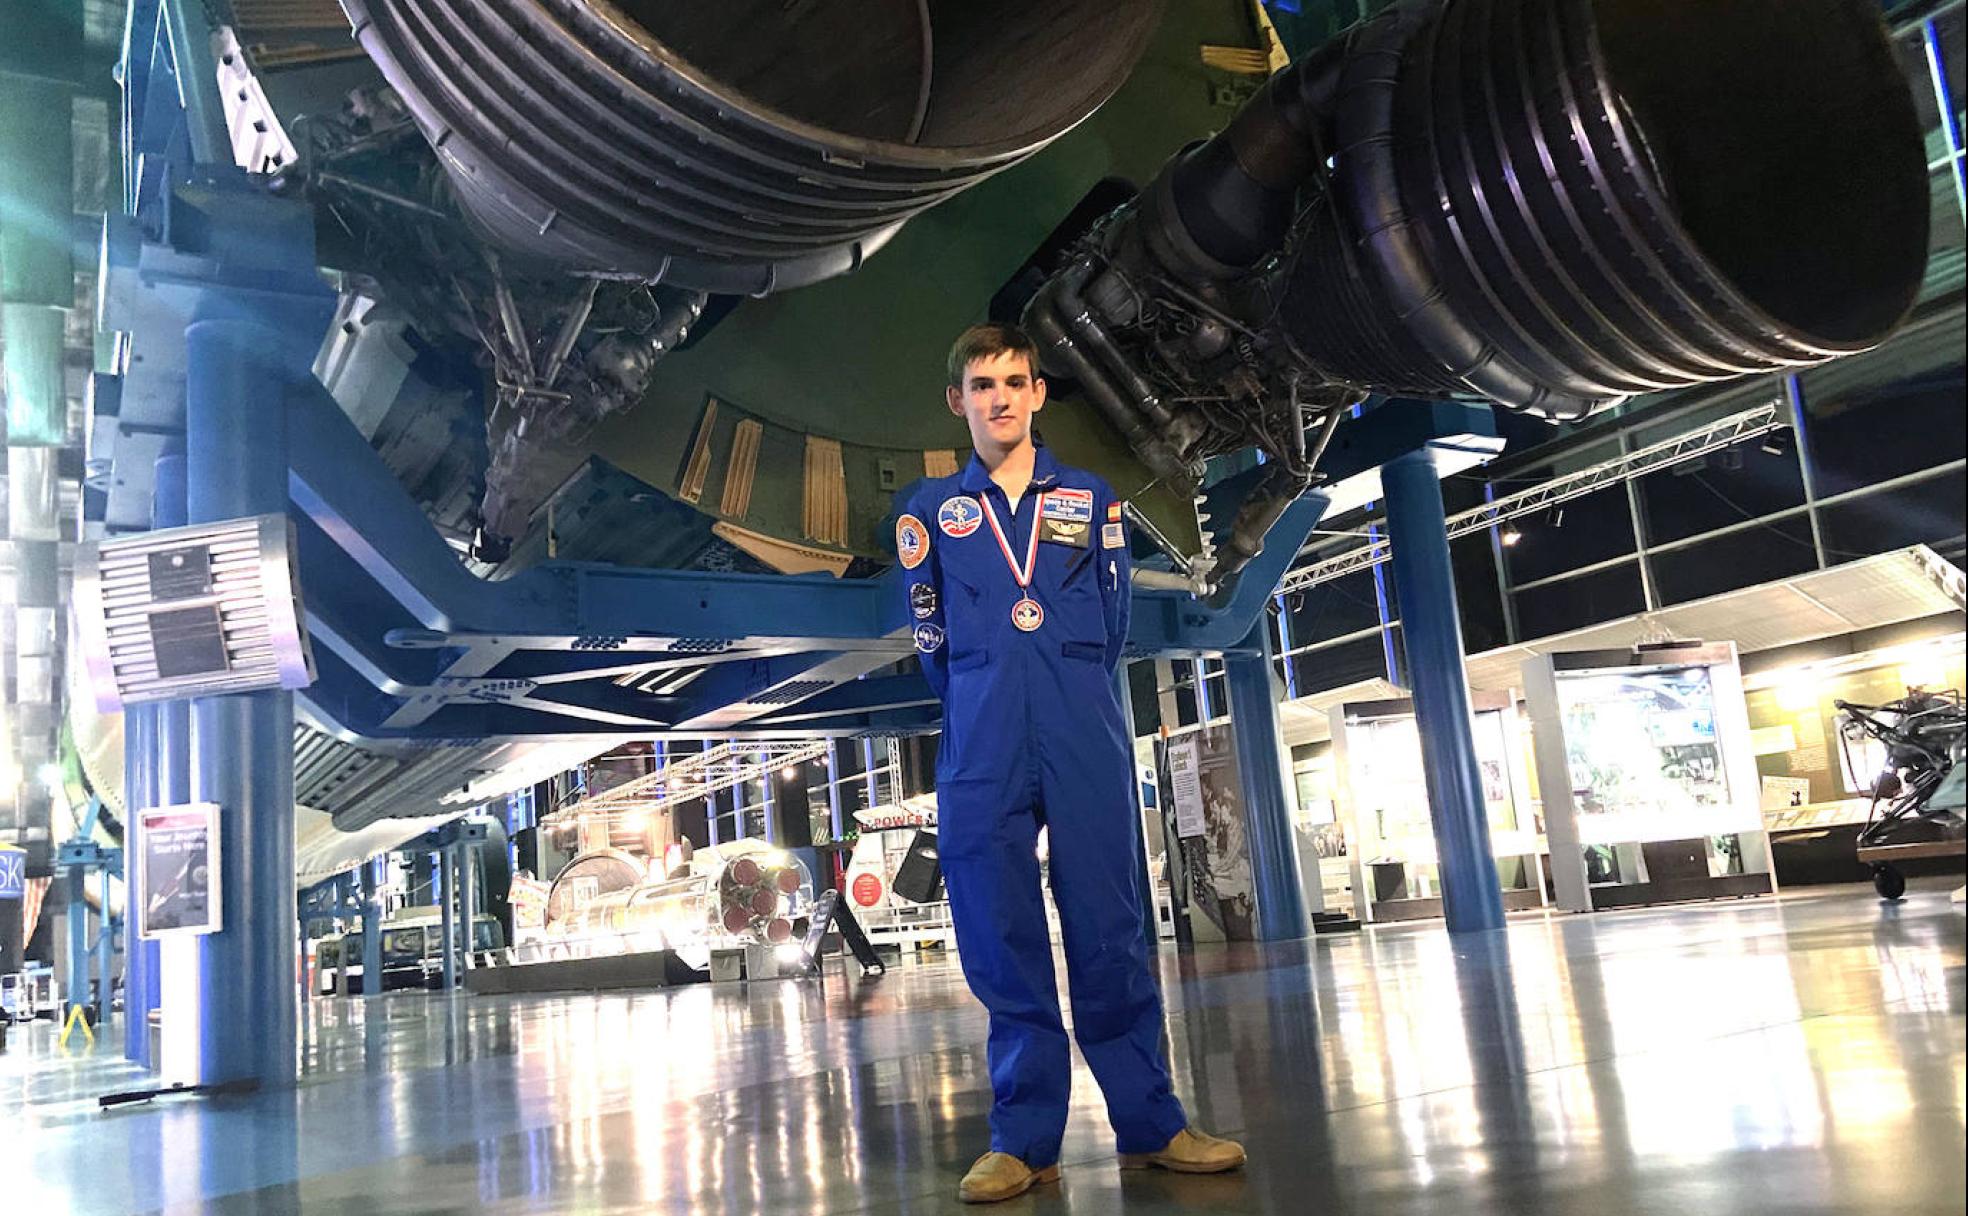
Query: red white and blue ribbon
{"x":1024,"y":575}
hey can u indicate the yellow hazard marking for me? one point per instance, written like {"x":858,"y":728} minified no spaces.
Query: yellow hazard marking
{"x":77,"y":1016}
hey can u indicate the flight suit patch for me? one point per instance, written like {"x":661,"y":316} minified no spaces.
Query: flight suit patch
{"x":1112,"y":536}
{"x":959,"y":516}
{"x":1069,"y":506}
{"x":929,"y":639}
{"x":1114,"y":510}
{"x":922,"y":600}
{"x":911,"y":541}
{"x":1064,"y":532}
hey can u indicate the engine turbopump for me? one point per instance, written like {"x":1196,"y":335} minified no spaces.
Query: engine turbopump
{"x":1551,"y":205}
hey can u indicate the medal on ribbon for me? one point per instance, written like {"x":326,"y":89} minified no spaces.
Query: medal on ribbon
{"x":1026,"y":614}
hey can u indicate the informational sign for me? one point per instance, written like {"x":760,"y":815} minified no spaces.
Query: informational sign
{"x":13,"y":873}
{"x":1780,"y":793}
{"x":178,"y":870}
{"x":1186,"y":781}
{"x":528,"y":898}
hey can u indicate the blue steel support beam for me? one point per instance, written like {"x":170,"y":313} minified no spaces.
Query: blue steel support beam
{"x":1267,"y":803}
{"x":372,"y":928}
{"x":1431,"y":627}
{"x":236,"y":452}
{"x":140,"y":748}
{"x":447,"y":914}
{"x":172,"y":762}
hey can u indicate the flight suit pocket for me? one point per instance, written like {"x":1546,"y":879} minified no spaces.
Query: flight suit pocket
{"x":1077,"y":566}
{"x":970,"y":660}
{"x":1086,"y":652}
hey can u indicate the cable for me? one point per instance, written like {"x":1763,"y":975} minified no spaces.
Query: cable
{"x":1771,"y":525}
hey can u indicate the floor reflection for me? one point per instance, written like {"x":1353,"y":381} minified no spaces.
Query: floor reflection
{"x":1803,"y":1054}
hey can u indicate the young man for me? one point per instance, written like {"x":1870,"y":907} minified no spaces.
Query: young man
{"x":1018,"y":587}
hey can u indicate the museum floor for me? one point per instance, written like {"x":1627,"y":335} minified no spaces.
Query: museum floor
{"x":1797,"y":1055}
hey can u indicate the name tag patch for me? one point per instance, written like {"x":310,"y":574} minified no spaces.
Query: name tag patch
{"x":1069,"y":506}
{"x":1112,"y":536}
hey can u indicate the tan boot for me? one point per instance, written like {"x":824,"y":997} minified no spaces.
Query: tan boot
{"x":1191,"y":1152}
{"x":1001,"y":1176}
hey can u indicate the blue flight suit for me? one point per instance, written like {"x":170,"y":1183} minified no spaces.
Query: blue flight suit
{"x":1033,"y":736}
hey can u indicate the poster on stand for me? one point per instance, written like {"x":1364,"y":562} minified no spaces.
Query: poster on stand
{"x":1214,"y":851}
{"x":177,"y":878}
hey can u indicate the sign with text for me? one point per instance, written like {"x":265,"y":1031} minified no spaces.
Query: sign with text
{"x":1186,"y":776}
{"x":13,"y":873}
{"x":178,"y":870}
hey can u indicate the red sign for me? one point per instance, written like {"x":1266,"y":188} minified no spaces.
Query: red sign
{"x":867,"y":890}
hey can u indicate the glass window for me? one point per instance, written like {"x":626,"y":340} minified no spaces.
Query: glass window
{"x":1574,"y":603}
{"x":1866,"y":435}
{"x":1740,"y":559}
{"x":1926,"y":513}
{"x":1679,"y":505}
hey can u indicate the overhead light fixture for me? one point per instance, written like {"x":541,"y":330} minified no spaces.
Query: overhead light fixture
{"x":789,"y":772}
{"x":1776,"y":442}
{"x":1510,"y":535}
{"x":1558,"y":516}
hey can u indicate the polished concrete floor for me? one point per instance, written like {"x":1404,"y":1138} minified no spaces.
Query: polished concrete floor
{"x":1798,"y":1055}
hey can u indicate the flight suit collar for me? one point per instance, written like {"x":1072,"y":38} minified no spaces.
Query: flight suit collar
{"x":1045,"y":472}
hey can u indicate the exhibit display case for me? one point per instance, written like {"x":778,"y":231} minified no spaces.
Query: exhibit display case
{"x":1382,"y":795}
{"x":1648,"y":774}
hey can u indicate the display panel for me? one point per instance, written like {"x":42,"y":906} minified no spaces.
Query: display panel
{"x":1644,"y":757}
{"x":1389,"y":785}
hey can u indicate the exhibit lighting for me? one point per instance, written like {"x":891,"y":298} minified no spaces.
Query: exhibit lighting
{"x":790,"y":953}
{"x":1797,"y":692}
{"x":1923,"y":673}
{"x":789,"y":772}
{"x":1510,"y":535}
{"x":50,"y":776}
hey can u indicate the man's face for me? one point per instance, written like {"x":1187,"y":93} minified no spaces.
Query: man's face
{"x":997,"y":399}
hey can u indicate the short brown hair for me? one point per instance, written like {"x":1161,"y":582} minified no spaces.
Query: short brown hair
{"x":988,"y":341}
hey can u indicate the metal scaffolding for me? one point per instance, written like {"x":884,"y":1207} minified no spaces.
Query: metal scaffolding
{"x":1688,"y":445}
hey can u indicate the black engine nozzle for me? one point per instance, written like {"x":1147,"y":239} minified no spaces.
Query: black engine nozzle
{"x":1555,"y":204}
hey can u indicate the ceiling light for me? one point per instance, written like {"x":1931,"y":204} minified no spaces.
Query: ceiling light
{"x":1510,"y":535}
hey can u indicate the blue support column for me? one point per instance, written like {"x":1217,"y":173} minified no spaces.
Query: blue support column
{"x":157,"y":771}
{"x":1431,"y":625}
{"x":105,"y":949}
{"x":140,"y":748}
{"x":1144,"y":882}
{"x":836,"y":819}
{"x":868,"y":768}
{"x":372,"y":928}
{"x":76,"y":887}
{"x":243,"y":745}
{"x":447,"y":870}
{"x":1267,"y":804}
